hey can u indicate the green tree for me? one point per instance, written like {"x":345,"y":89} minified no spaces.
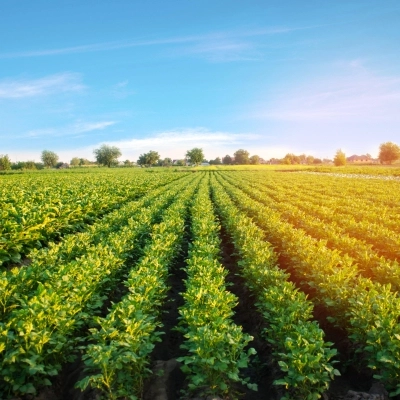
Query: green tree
{"x":340,"y":158}
{"x":49,"y":158}
{"x":84,"y":161}
{"x":148,"y":159}
{"x":167,"y":162}
{"x":291,"y":158}
{"x":310,"y":160}
{"x":181,"y":163}
{"x":195,"y":156}
{"x":241,"y":157}
{"x":227,"y":160}
{"x":217,"y":161}
{"x":107,"y":155}
{"x":388,"y":152}
{"x":255,"y":160}
{"x":74,"y":162}
{"x":5,"y":162}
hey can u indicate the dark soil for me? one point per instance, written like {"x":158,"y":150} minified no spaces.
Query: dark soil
{"x":262,"y":370}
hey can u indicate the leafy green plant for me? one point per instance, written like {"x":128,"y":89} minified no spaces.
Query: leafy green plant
{"x":216,"y":347}
{"x":299,"y":347}
{"x":117,"y":358}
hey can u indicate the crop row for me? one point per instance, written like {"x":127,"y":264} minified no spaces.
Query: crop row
{"x":384,"y":239}
{"x":36,"y":210}
{"x":41,"y":334}
{"x":369,"y":262}
{"x":368,"y":311}
{"x":46,"y":263}
{"x":362,"y":193}
{"x":298,"y":343}
{"x":345,"y":199}
{"x":214,"y":344}
{"x":117,"y":357}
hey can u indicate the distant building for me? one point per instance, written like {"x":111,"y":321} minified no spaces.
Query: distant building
{"x":364,"y":159}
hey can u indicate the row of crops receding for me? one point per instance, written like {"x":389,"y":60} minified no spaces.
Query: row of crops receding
{"x":87,"y":268}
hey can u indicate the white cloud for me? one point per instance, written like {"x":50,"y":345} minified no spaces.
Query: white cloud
{"x":351,"y":93}
{"x":22,"y":88}
{"x":76,"y":128}
{"x":175,"y":143}
{"x":215,"y":46}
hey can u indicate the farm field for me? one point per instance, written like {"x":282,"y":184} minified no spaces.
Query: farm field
{"x":251,"y":284}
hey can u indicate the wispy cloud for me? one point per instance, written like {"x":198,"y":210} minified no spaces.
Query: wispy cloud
{"x":74,"y":129}
{"x":228,"y":42}
{"x":351,"y":93}
{"x":22,"y":88}
{"x":121,"y":90}
{"x":175,"y":143}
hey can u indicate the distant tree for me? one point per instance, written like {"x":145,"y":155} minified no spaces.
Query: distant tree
{"x":107,"y":155}
{"x":340,"y":158}
{"x":310,"y":160}
{"x":5,"y":162}
{"x":148,"y":159}
{"x":302,"y":158}
{"x":241,"y":157}
{"x":85,"y":161}
{"x":181,"y":163}
{"x":49,"y":158}
{"x":227,"y":160}
{"x":291,"y":158}
{"x":217,"y":161}
{"x":74,"y":162}
{"x":317,"y":161}
{"x":255,"y":160}
{"x":167,"y":162}
{"x":128,"y":163}
{"x":388,"y":152}
{"x":27,"y":165}
{"x":195,"y":156}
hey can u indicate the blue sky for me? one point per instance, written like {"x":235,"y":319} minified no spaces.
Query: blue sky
{"x":268,"y":76}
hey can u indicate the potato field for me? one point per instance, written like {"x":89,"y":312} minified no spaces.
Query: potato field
{"x":179,"y":284}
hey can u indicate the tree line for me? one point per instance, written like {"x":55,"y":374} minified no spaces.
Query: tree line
{"x":108,"y":156}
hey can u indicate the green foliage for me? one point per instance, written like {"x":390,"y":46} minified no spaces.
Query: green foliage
{"x":336,"y":283}
{"x":217,"y":161}
{"x":43,"y":331}
{"x":5,"y":163}
{"x":148,"y":159}
{"x":287,"y":311}
{"x":75,"y":162}
{"x":37,"y":210}
{"x":389,"y":152}
{"x":118,"y":357}
{"x":227,"y":160}
{"x":241,"y":157}
{"x":107,"y":155}
{"x":347,"y":226}
{"x":340,"y":158}
{"x":49,"y":158}
{"x":195,"y":156}
{"x":255,"y":160}
{"x":215,"y":345}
